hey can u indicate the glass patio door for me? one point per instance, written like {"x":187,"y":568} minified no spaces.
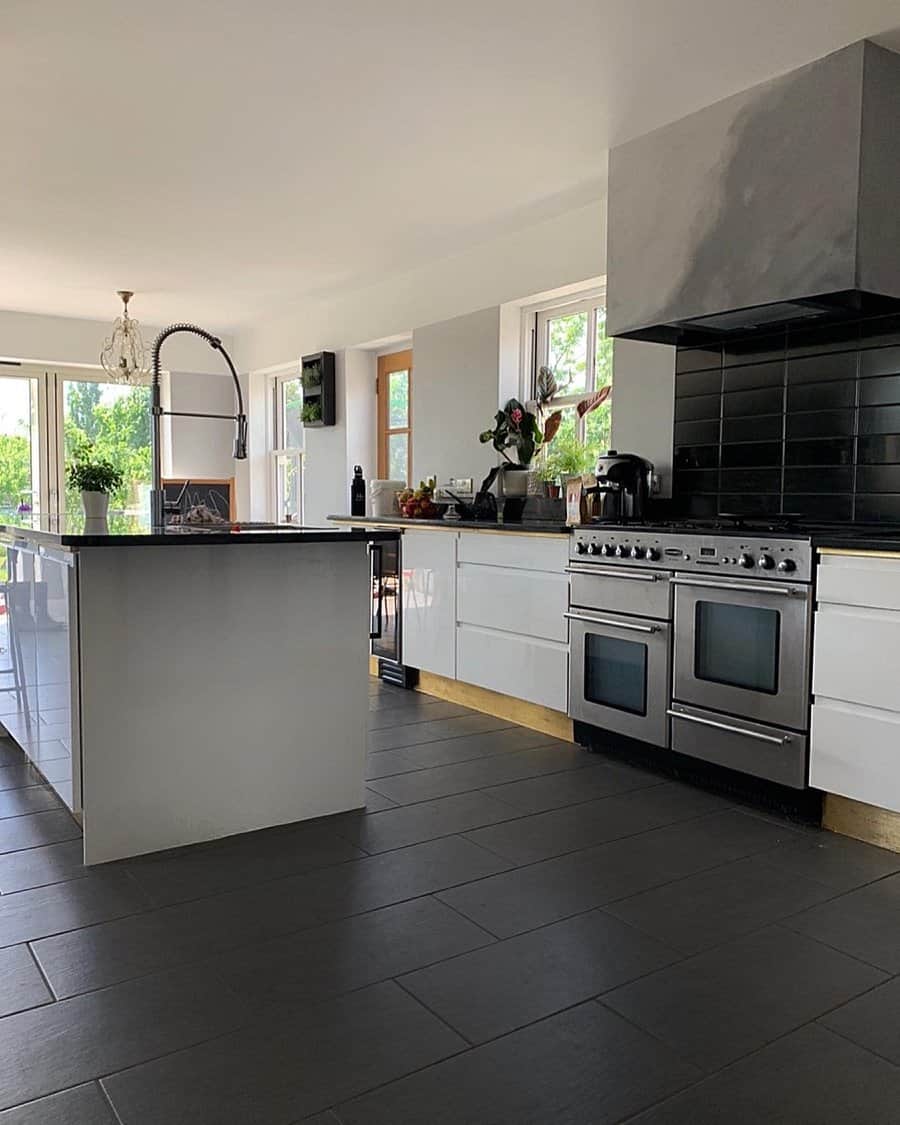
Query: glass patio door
{"x":24,"y":479}
{"x":114,"y":421}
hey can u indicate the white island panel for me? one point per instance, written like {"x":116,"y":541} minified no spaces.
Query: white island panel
{"x":223,"y":689}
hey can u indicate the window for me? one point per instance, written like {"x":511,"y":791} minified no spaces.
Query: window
{"x":394,"y":418}
{"x":287,"y":447}
{"x":571,"y":340}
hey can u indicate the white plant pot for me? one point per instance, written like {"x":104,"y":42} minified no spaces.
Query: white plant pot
{"x":95,"y":504}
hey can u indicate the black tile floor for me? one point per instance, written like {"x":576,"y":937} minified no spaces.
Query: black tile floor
{"x":514,"y":932}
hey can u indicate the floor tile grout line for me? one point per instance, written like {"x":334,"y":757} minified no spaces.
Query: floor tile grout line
{"x":103,"y":1094}
{"x":848,"y":1039}
{"x":446,"y":1023}
{"x":372,"y":783}
{"x":782,"y":924}
{"x":40,"y":969}
{"x":502,"y":754}
{"x":443,"y":737}
{"x":471,"y":921}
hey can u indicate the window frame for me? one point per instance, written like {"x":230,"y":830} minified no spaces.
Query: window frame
{"x":278,"y":447}
{"x":387,"y":364}
{"x":579,"y":303}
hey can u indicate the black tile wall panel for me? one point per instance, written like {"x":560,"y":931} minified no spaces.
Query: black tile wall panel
{"x":807,"y":418}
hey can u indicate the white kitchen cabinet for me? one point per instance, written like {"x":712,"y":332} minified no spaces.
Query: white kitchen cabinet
{"x":856,"y":752}
{"x":516,"y":601}
{"x":855,"y":733}
{"x":429,"y":601}
{"x":524,"y":667}
{"x":517,"y":551}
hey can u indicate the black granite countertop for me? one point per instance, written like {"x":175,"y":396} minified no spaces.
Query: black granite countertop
{"x":533,"y":527}
{"x":120,"y":531}
{"x":859,"y":541}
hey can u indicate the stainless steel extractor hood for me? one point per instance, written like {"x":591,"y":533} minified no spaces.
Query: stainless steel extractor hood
{"x":776,"y":205}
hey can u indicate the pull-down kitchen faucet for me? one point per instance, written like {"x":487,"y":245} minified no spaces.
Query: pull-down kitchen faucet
{"x":157,"y":497}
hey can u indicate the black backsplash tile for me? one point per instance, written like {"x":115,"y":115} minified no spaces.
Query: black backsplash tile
{"x":747,"y":378}
{"x":766,"y":427}
{"x":818,"y":480}
{"x":752,"y":455}
{"x":883,"y":449}
{"x":697,"y":407}
{"x":830,"y":451}
{"x":768,"y":400}
{"x":697,"y":457}
{"x":838,"y":395}
{"x":698,"y":359}
{"x":881,"y":391}
{"x":820,"y":423}
{"x":699,"y":383}
{"x":822,"y":368}
{"x":801,"y":420}
{"x":879,"y":420}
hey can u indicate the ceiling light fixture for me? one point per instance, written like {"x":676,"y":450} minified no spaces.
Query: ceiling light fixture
{"x":122,"y":356}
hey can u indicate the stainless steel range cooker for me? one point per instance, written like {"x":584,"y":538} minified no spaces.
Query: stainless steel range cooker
{"x":695,"y":639}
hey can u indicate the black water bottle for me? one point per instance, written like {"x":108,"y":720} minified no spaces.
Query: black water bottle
{"x":357,"y":493}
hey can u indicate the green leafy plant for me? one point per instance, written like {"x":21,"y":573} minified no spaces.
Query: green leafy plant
{"x":311,"y":412}
{"x":92,"y":473}
{"x":311,"y":377}
{"x":514,"y":427}
{"x":568,"y":457}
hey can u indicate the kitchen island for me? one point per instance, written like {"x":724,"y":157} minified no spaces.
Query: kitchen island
{"x":178,"y":685}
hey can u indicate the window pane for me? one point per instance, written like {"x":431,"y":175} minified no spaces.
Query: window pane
{"x":615,"y":673}
{"x":567,"y":351}
{"x":597,"y":430}
{"x":603,"y":362}
{"x":291,"y":406}
{"x":115,"y":421}
{"x":398,"y":400}
{"x":752,"y":661}
{"x":287,"y":483}
{"x":398,"y":453}
{"x":18,"y":445}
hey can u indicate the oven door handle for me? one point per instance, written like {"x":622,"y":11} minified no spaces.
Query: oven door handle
{"x":775,"y":740}
{"x":632,"y":628}
{"x":740,"y":588}
{"x":610,"y":572}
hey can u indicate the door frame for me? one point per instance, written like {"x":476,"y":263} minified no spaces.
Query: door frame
{"x":394,"y":361}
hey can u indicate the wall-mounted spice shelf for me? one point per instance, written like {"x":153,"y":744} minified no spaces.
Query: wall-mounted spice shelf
{"x":317,"y":379}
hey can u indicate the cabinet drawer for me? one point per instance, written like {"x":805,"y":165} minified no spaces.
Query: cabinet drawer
{"x":522,"y":667}
{"x":429,"y":601}
{"x":522,"y":552}
{"x":855,"y":752}
{"x":849,"y":580}
{"x":854,"y":656}
{"x":517,"y":601}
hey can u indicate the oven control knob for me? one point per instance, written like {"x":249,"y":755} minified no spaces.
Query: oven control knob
{"x":606,"y":550}
{"x":746,"y":561}
{"x":766,"y":562}
{"x":637,"y":552}
{"x":581,"y":547}
{"x":593,"y":549}
{"x":619,"y":552}
{"x":651,"y":554}
{"x":787,"y":565}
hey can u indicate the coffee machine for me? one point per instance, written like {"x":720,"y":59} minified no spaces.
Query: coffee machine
{"x":622,"y":488}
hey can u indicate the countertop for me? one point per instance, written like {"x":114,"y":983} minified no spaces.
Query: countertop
{"x":526,"y":527}
{"x":121,"y":531}
{"x":863,"y":537}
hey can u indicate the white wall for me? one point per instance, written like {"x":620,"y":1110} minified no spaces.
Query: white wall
{"x":456,"y":366}
{"x":199,"y":447}
{"x":643,"y":410}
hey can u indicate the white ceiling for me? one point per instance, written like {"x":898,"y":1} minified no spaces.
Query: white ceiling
{"x":226,"y":157}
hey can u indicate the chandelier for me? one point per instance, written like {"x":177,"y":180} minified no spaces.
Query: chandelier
{"x":122,"y":356}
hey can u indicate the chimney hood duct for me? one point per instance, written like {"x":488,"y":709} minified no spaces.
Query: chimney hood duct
{"x":780,"y":204}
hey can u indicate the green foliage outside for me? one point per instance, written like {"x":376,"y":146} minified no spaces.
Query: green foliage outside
{"x":117,"y":432}
{"x":15,"y":471}
{"x":568,"y":358}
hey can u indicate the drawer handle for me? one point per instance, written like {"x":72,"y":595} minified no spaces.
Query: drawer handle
{"x":740,"y":587}
{"x":614,"y":624}
{"x":611,"y":572}
{"x":775,"y":740}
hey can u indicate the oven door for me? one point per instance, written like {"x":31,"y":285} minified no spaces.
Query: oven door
{"x":619,"y":674}
{"x":743,"y":648}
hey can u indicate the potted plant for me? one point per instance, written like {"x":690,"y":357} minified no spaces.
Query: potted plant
{"x":568,"y":457}
{"x":311,"y":412}
{"x":96,"y":477}
{"x":311,"y":377}
{"x":514,"y":427}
